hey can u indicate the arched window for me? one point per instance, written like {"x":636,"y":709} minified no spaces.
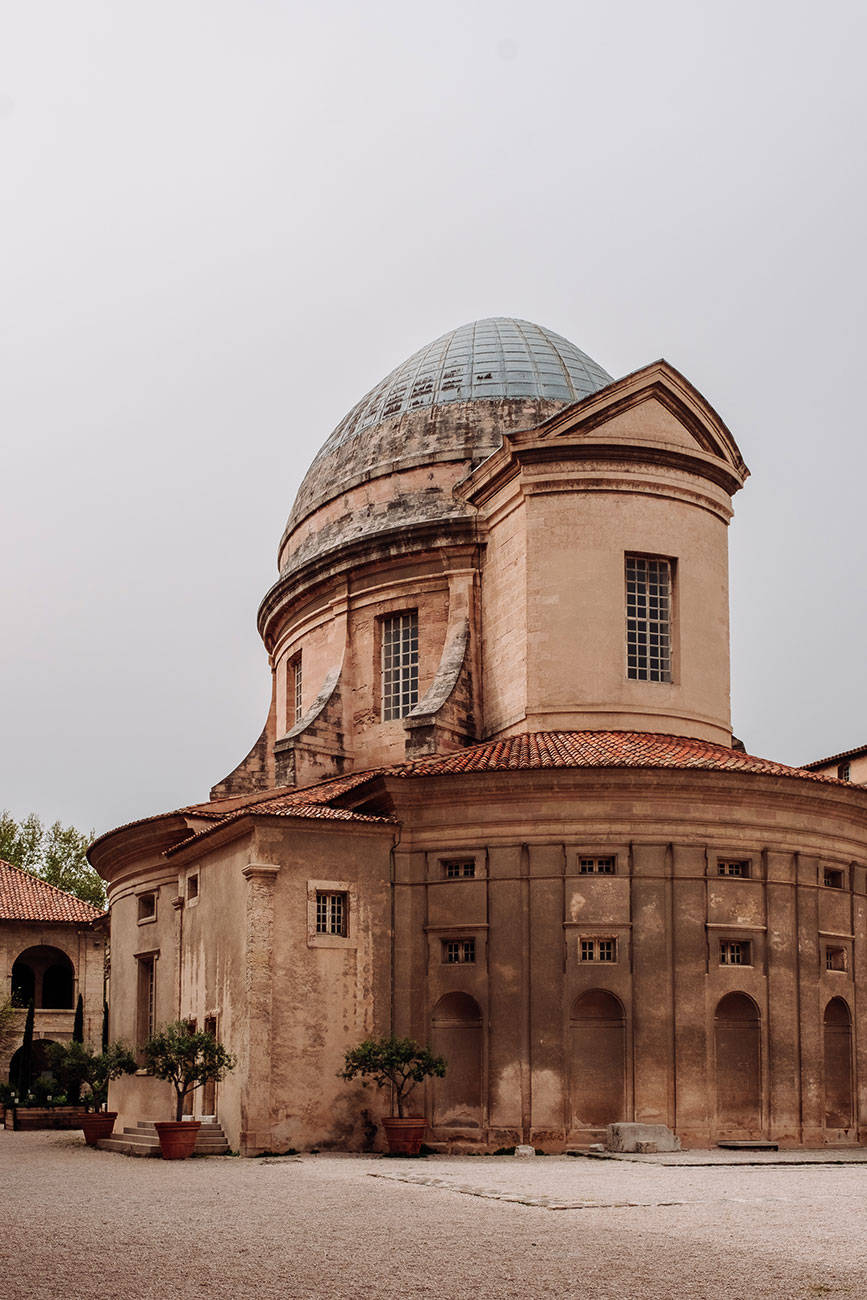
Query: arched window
{"x":597,"y":1060}
{"x":456,"y":1034}
{"x":45,"y":975}
{"x":737,"y":1040}
{"x":838,"y":1065}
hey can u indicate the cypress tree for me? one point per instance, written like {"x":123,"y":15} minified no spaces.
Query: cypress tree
{"x":25,"y":1060}
{"x":105,"y":1026}
{"x":78,"y":1023}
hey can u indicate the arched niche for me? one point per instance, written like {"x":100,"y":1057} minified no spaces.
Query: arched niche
{"x":456,"y":1034}
{"x":597,"y":1060}
{"x":838,"y":1065}
{"x":738,"y":1051}
{"x":46,"y":975}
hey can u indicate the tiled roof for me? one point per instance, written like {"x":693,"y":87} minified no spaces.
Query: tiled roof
{"x":836,"y":758}
{"x":552,"y":749}
{"x":26,"y":898}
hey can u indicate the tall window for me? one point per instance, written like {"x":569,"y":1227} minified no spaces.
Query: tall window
{"x":295,"y":685}
{"x":399,"y":665}
{"x":648,"y":619}
{"x":145,"y":1017}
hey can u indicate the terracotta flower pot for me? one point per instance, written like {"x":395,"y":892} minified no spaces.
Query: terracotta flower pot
{"x":97,"y":1124}
{"x":405,"y":1136}
{"x":177,"y":1138}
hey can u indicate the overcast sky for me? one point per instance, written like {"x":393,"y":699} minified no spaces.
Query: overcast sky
{"x":223,"y":222}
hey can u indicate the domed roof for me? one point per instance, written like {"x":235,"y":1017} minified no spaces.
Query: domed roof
{"x":497,"y":357}
{"x":452,"y":401}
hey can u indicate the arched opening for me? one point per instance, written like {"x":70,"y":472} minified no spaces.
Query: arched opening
{"x":737,"y":1038}
{"x":597,"y":1059}
{"x":39,"y":1064}
{"x":838,"y":1065}
{"x":456,"y":1025}
{"x":45,"y":975}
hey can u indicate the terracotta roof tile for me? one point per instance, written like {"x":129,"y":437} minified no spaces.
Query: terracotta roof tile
{"x":26,"y":898}
{"x":553,"y":749}
{"x":836,"y":758}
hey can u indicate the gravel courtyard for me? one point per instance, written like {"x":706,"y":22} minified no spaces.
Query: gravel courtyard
{"x":78,"y":1223}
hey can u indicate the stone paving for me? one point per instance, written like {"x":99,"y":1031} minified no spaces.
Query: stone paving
{"x":79,"y":1224}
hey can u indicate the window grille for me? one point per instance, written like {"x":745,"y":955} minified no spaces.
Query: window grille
{"x":739,"y":867}
{"x":399,"y":665}
{"x":596,"y":866}
{"x":331,"y":910}
{"x":735,"y":952}
{"x":459,"y":870}
{"x":648,"y":619}
{"x":835,"y":959}
{"x":598,"y":949}
{"x":297,"y":687}
{"x":844,"y":772}
{"x":459,"y":951}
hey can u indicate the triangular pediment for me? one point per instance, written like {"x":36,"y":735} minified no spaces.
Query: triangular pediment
{"x":652,"y":406}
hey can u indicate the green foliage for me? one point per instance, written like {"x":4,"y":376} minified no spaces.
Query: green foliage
{"x":399,"y":1063}
{"x":10,"y":1024}
{"x":25,"y":1060}
{"x":187,"y":1059}
{"x":74,"y":1064}
{"x":54,"y":853}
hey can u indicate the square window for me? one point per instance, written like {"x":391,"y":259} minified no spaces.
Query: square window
{"x":459,"y":869}
{"x":459,"y":951}
{"x":596,"y":866}
{"x":833,"y":878}
{"x":332,"y":913}
{"x":835,"y":959}
{"x":147,"y":907}
{"x":735,"y":952}
{"x":738,"y":867}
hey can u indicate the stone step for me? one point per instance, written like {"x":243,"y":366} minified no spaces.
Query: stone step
{"x":141,"y":1140}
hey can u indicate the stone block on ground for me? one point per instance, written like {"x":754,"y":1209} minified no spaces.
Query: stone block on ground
{"x":640,"y":1138}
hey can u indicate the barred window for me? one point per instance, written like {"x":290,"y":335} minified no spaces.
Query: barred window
{"x":835,"y":959}
{"x":331,"y":910}
{"x":596,"y":866}
{"x":399,"y":665}
{"x":462,"y":869}
{"x":598,"y":949}
{"x":734,"y":867}
{"x":735,"y":952}
{"x":296,"y":685}
{"x":459,"y":951}
{"x":648,"y":619}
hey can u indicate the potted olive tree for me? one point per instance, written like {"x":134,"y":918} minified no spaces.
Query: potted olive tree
{"x":75,"y":1064}
{"x":187,"y":1059}
{"x":399,"y":1064}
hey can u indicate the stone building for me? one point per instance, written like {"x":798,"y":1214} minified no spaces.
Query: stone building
{"x":52,"y":948}
{"x":497,"y":804}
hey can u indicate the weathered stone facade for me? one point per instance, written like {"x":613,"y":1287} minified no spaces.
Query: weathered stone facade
{"x":497,"y":804}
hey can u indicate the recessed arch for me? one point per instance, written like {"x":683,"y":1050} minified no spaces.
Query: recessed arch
{"x":738,"y":1053}
{"x":457,"y":1026}
{"x":597,"y":1060}
{"x":838,"y":1088}
{"x":45,"y":975}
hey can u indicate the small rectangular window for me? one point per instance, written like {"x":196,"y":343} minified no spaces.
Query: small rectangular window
{"x":735,"y":952}
{"x":844,"y":772}
{"x":459,"y":951}
{"x":147,"y":907}
{"x":192,"y":887}
{"x":460,"y":869}
{"x":835,"y":959}
{"x":331,"y":913}
{"x":832,"y":878}
{"x":598,"y":949}
{"x":738,"y":867}
{"x":648,"y":619}
{"x":399,"y":665}
{"x":596,"y":866}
